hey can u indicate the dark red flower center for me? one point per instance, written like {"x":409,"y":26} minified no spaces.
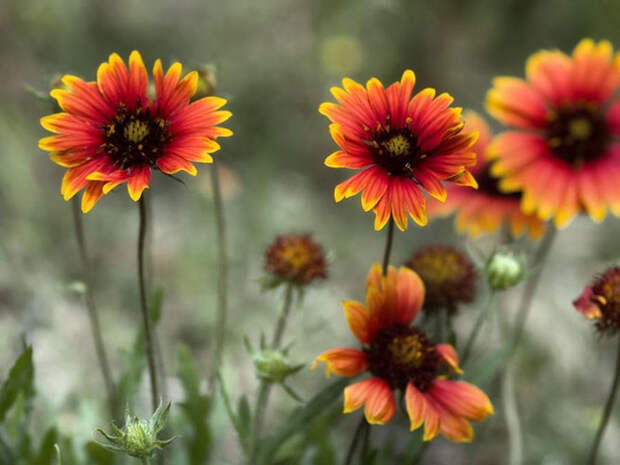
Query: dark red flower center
{"x":577,"y":133}
{"x":135,"y":137}
{"x":401,"y":354}
{"x":296,"y":258}
{"x":606,"y":294}
{"x":396,"y":150}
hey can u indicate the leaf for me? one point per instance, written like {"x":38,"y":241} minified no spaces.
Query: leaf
{"x":196,"y":407}
{"x":47,"y":451}
{"x":20,"y":379}
{"x":244,"y":419}
{"x":300,"y":419}
{"x":97,"y":455}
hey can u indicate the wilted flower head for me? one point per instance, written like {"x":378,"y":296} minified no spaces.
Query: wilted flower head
{"x":296,"y":258}
{"x":449,"y":277}
{"x":504,"y":270}
{"x":111,"y":132}
{"x":138,"y":438}
{"x":600,"y":301}
{"x":401,"y":357}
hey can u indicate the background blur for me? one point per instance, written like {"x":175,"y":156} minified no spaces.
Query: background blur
{"x":276,"y":60}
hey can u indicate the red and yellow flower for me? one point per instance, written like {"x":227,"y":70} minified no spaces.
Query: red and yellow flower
{"x":110,"y":132}
{"x":401,"y":357}
{"x":401,"y":145}
{"x":484,"y":210}
{"x":563,"y":154}
{"x":296,"y":258}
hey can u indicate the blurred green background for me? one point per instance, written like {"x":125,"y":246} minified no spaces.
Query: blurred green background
{"x":276,"y":60}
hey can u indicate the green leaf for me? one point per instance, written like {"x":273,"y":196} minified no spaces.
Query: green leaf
{"x":47,"y":452}
{"x":20,"y":380}
{"x":97,"y":455}
{"x":196,"y":407}
{"x":299,"y":420}
{"x":244,"y":418}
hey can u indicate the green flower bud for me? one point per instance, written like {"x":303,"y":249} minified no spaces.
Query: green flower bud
{"x":207,"y":81}
{"x":504,"y":270}
{"x":273,"y":366}
{"x":138,"y":438}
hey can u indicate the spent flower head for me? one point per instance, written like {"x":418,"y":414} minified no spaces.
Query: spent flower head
{"x":448,"y":275}
{"x":600,"y":301}
{"x":138,"y":438}
{"x":503,"y":270}
{"x":295,"y":258}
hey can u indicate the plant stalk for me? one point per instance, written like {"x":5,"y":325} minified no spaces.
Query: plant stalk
{"x":146,"y":317}
{"x":609,"y":405}
{"x":388,"y":245}
{"x":93,"y":314}
{"x":482,"y":316}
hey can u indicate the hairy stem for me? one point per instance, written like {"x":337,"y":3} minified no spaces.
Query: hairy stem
{"x":222,"y":266}
{"x":93,"y":314}
{"x":609,"y":405}
{"x":482,"y":316}
{"x":146,"y":317}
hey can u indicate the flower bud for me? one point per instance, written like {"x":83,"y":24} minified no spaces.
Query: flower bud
{"x":273,"y":366}
{"x":138,"y":438}
{"x":504,"y":270}
{"x":207,"y":81}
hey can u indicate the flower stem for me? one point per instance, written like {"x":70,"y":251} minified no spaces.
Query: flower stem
{"x":482,"y":316}
{"x":145,"y":461}
{"x":93,"y":315}
{"x":264,"y":389}
{"x":531,"y":286}
{"x":222,"y":267}
{"x":609,"y":405}
{"x":513,"y":423}
{"x":146,"y":317}
{"x":388,"y":245}
{"x":361,"y":426}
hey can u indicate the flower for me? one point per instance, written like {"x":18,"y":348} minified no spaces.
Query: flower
{"x":296,"y":258}
{"x":110,"y":132}
{"x":600,"y":301}
{"x":138,"y":438}
{"x":484,"y":210}
{"x":449,"y":277}
{"x":401,"y":357}
{"x":504,"y":270}
{"x":563,"y":152}
{"x":402,"y":145}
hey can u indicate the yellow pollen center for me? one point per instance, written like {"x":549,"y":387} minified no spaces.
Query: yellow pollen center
{"x":407,"y":350}
{"x":397,"y":145}
{"x":296,"y":257}
{"x":135,"y":131}
{"x":580,"y":128}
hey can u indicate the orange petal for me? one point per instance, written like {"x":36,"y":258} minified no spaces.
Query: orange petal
{"x":380,"y":403}
{"x":414,"y":401}
{"x":343,"y":361}
{"x":409,"y":295}
{"x":358,"y":319}
{"x":586,"y":306}
{"x":92,"y":193}
{"x":431,"y":420}
{"x":138,"y":181}
{"x":462,"y":399}
{"x":448,"y":354}
{"x":356,"y":394}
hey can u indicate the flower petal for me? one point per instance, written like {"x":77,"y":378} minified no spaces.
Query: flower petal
{"x":448,"y":355}
{"x":462,"y":399}
{"x":343,"y":361}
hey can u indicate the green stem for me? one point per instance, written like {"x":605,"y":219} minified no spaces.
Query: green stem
{"x":532,"y":285}
{"x":388,"y":245}
{"x":93,"y":314}
{"x":513,"y":423}
{"x":146,"y":317}
{"x":361,"y":426}
{"x":264,"y":389}
{"x":609,"y":405}
{"x":145,"y":461}
{"x":222,"y":267}
{"x":473,"y":335}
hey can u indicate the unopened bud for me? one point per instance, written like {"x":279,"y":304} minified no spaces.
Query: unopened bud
{"x":504,"y":270}
{"x":273,"y":366}
{"x":138,"y":438}
{"x":207,"y":81}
